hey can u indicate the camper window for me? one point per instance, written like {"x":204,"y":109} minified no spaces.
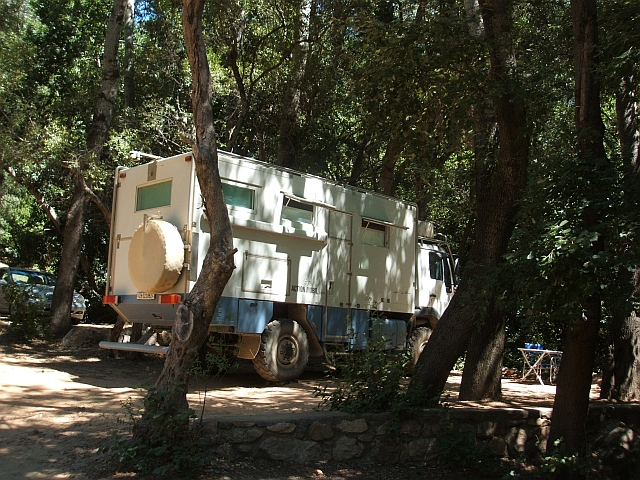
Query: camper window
{"x":153,"y":196}
{"x":296,"y":214}
{"x":239,"y":196}
{"x":374,"y":233}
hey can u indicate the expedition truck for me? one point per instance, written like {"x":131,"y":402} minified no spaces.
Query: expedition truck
{"x":321,"y":268}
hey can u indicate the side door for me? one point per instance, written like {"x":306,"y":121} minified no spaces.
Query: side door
{"x":434,"y":292}
{"x":338,"y":299}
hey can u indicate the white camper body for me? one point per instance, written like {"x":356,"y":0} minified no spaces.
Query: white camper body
{"x":330,"y":263}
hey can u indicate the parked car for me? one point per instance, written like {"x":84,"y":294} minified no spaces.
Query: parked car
{"x":40,"y":286}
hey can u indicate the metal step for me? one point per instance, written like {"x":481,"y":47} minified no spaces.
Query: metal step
{"x":134,"y":347}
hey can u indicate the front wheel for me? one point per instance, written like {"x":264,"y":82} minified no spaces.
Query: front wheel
{"x":417,"y":341}
{"x":284,"y":351}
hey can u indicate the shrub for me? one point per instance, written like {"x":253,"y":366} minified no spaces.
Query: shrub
{"x":27,"y":312}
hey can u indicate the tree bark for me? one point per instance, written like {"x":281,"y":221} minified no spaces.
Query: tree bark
{"x":287,"y":136}
{"x":574,"y":378}
{"x":129,"y":71}
{"x":96,"y":136}
{"x":195,"y":312}
{"x":626,"y":368}
{"x":389,"y":161}
{"x":497,"y":195}
{"x":625,"y":365}
{"x":497,"y":206}
{"x":627,"y":123}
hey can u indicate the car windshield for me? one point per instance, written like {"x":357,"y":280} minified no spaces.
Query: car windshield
{"x":32,"y":278}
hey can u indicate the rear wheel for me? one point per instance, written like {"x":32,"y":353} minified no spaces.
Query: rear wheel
{"x":417,"y":341}
{"x":284,"y":351}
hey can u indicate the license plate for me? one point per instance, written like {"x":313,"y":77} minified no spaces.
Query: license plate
{"x":145,"y":296}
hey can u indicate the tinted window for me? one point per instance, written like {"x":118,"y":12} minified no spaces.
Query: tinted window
{"x":153,"y":196}
{"x":237,"y":196}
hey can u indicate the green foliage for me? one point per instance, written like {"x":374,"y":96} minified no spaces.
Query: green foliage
{"x":563,"y":462}
{"x":215,"y":359}
{"x":372,"y":380}
{"x":457,"y":445}
{"x":175,"y":449}
{"x":26,"y":315}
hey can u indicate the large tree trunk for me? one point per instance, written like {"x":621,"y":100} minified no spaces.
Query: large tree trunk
{"x":626,"y":368}
{"x":624,"y":384}
{"x":195,"y":312}
{"x":96,"y":136}
{"x":497,"y":207}
{"x":574,"y":379}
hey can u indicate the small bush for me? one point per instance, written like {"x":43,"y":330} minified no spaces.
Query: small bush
{"x":370,"y":381}
{"x":27,"y":312}
{"x":562,"y":462}
{"x":176,"y":448}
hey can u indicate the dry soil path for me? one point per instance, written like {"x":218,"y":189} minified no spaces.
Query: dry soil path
{"x":60,"y":404}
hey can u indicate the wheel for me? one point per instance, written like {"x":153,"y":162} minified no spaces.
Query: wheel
{"x":418,"y":339}
{"x":284,"y":351}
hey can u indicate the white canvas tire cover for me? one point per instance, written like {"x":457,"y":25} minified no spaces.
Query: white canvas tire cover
{"x":155,"y":258}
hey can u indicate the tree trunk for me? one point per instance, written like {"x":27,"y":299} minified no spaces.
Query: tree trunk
{"x":69,"y":259}
{"x":235,"y":126}
{"x":626,"y":368}
{"x":129,"y":71}
{"x":287,"y":135}
{"x":627,"y":123}
{"x":574,"y":378}
{"x":195,"y":312}
{"x":625,"y":378}
{"x":483,"y":365}
{"x":497,"y":206}
{"x":482,"y":375}
{"x":96,"y":136}
{"x":389,"y":161}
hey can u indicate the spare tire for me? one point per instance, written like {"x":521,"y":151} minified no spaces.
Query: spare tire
{"x":156,"y":255}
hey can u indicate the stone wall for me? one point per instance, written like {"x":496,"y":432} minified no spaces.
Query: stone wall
{"x":382,"y":438}
{"x":385,"y":438}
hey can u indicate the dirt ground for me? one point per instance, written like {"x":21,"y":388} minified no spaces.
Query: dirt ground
{"x":59,"y":405}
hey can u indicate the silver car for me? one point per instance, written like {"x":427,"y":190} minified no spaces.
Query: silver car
{"x":40,"y":286}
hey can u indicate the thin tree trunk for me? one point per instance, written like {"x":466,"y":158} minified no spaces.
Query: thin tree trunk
{"x":287,"y":135}
{"x":574,"y":378}
{"x":129,"y":71}
{"x":389,"y":161}
{"x":627,"y":123}
{"x":97,"y":134}
{"x":195,"y":312}
{"x":235,"y":128}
